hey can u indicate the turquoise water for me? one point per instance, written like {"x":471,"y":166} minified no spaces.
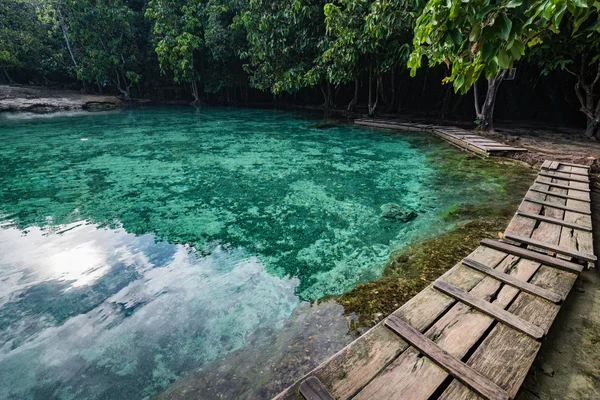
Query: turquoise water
{"x":141,"y":245}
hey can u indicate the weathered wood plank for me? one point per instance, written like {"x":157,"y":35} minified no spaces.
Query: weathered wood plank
{"x":554,"y":221}
{"x":355,"y":365}
{"x":575,"y":165}
{"x":455,"y":367}
{"x":556,"y":249}
{"x":532,"y":255}
{"x":505,"y":346}
{"x":494,"y":311}
{"x":509,"y":279}
{"x":505,"y":357}
{"x":312,"y":389}
{"x":564,"y":170}
{"x":546,"y":164}
{"x":554,"y":205}
{"x":553,"y":165}
{"x":564,"y":176}
{"x":456,"y":332}
{"x":564,"y":196}
{"x":575,"y":239}
{"x":560,"y":185}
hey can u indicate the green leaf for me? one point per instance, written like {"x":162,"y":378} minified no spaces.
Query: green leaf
{"x":487,"y":51}
{"x":459,"y":82}
{"x":457,"y":36}
{"x":491,"y":67}
{"x":514,"y":3}
{"x":505,"y":26}
{"x":503,"y":59}
{"x":580,"y":3}
{"x":517,"y":49}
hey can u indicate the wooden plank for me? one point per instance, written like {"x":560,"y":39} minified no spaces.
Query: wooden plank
{"x":546,"y":164}
{"x":457,"y":331}
{"x":532,"y":255}
{"x":557,"y":249}
{"x":584,"y":174}
{"x":575,"y":165}
{"x":554,"y":221}
{"x":453,"y":366}
{"x":312,"y":389}
{"x":504,"y":346}
{"x":511,"y":280}
{"x":508,"y":148}
{"x":559,"y":185}
{"x":564,"y":178}
{"x":554,"y":205}
{"x":563,"y":196}
{"x":353,"y":367}
{"x":490,"y":309}
{"x":553,"y":165}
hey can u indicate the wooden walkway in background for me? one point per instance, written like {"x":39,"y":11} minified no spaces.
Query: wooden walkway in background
{"x":461,"y":138}
{"x":475,"y":331}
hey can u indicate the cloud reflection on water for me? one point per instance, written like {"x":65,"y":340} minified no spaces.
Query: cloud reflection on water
{"x":156,"y":311}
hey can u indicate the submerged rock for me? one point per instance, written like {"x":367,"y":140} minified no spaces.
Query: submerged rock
{"x":395,"y":211}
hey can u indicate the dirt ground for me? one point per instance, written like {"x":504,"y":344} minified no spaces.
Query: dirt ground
{"x":38,"y":98}
{"x":559,"y":144}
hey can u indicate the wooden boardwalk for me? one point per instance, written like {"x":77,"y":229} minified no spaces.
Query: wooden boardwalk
{"x":461,"y":138}
{"x":475,"y":331}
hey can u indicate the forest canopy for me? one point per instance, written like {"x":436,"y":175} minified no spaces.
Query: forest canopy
{"x":225,"y":47}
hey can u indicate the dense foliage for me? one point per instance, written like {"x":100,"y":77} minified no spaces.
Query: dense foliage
{"x":282,"y":47}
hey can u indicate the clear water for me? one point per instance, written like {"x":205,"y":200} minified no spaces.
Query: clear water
{"x":138,"y":246}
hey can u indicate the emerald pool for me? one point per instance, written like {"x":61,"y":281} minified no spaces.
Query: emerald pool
{"x":140,"y":246}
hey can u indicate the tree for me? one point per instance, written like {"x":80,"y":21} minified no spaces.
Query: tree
{"x":224,"y":41}
{"x":103,"y":38}
{"x":480,"y":37}
{"x":27,"y":41}
{"x":284,"y":40}
{"x":178,"y":39}
{"x":367,"y":36}
{"x":575,"y":48}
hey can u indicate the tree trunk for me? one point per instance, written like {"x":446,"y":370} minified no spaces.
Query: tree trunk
{"x":370,"y":103}
{"x":382,"y":91}
{"x":590,"y":105}
{"x":8,"y":77}
{"x":124,"y":90}
{"x":194,"y":86}
{"x":327,"y":96}
{"x":485,"y":111}
{"x":393,"y":87}
{"x":373,"y":106}
{"x":352,"y":104}
{"x":63,"y":28}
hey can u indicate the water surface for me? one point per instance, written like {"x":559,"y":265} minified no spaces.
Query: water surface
{"x":141,"y":245}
